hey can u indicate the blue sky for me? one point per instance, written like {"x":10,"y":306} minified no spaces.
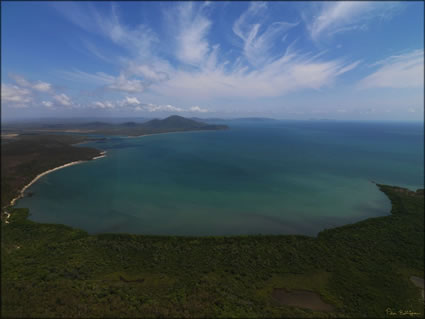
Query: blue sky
{"x":300,"y":60}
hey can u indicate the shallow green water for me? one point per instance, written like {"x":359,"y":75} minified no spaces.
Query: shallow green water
{"x":274,"y":177}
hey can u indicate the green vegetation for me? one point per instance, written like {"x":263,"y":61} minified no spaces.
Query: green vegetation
{"x":26,"y":156}
{"x":360,"y":269}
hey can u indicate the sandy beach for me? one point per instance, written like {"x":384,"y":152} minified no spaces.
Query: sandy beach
{"x":21,"y":193}
{"x":9,"y":135}
{"x":103,"y":154}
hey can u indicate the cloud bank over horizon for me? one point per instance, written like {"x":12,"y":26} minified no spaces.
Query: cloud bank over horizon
{"x":332,"y":59}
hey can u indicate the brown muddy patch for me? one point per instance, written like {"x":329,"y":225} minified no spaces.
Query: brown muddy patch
{"x":135,"y":280}
{"x":418,"y":282}
{"x":301,"y":299}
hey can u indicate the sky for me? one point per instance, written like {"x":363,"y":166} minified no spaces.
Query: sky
{"x":290,"y":60}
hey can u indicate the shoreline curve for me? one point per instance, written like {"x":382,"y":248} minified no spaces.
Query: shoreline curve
{"x":35,"y":179}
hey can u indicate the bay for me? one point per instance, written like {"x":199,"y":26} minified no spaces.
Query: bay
{"x":257,"y":177}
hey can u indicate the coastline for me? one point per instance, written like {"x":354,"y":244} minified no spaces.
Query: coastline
{"x":22,"y":191}
{"x":337,"y":244}
{"x":166,"y":133}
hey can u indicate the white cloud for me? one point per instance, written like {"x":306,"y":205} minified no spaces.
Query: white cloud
{"x":148,"y":72}
{"x":20,"y":80}
{"x":104,"y":105}
{"x":132,"y":101}
{"x":192,"y":45}
{"x":122,"y":83}
{"x":148,"y":107}
{"x":27,"y":93}
{"x":135,"y":104}
{"x":42,"y":86}
{"x":38,"y":86}
{"x":15,"y":96}
{"x":47,"y":104}
{"x":166,"y":108}
{"x":127,"y":102}
{"x":198,"y":109}
{"x":400,"y":71}
{"x":63,"y":99}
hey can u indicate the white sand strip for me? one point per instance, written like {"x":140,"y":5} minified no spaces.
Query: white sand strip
{"x":21,"y":193}
{"x":103,"y":154}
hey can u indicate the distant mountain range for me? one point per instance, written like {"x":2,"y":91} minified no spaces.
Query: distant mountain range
{"x":172,"y":123}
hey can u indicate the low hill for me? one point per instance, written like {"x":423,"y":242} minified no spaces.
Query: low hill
{"x":174,"y":122}
{"x":179,"y":123}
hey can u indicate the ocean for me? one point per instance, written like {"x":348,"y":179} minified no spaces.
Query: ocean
{"x":257,"y":177}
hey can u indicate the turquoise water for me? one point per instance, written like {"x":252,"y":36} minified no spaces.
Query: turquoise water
{"x":258,"y":177}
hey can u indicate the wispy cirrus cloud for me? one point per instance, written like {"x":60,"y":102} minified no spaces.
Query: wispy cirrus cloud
{"x":108,"y":25}
{"x":342,"y":16}
{"x":138,"y":40}
{"x":267,"y":73}
{"x":268,"y":64}
{"x":95,"y":51}
{"x":288,"y":74}
{"x":193,"y":26}
{"x":271,"y":74}
{"x":79,"y":14}
{"x":258,"y":40}
{"x":399,"y":71}
{"x":98,"y":78}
